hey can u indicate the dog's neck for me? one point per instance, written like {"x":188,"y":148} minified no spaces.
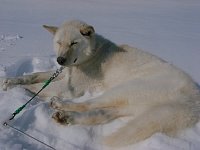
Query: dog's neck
{"x":102,"y":52}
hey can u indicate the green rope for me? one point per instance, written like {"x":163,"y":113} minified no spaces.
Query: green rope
{"x":46,"y":83}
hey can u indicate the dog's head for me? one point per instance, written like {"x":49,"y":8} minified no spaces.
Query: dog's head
{"x":73,"y":42}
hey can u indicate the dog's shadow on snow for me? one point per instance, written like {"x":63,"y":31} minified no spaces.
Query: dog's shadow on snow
{"x":30,"y":65}
{"x":19,"y":68}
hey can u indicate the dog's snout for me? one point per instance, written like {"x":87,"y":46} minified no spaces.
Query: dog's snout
{"x":61,"y":60}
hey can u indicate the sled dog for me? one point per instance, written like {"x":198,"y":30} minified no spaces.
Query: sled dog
{"x":155,"y":95}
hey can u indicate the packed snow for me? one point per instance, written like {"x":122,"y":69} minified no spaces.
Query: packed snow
{"x":169,"y":29}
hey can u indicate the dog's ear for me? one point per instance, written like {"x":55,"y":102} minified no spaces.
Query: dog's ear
{"x":87,"y":30}
{"x":51,"y":29}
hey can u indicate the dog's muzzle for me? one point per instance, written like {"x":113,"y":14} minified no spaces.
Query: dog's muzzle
{"x":61,"y":60}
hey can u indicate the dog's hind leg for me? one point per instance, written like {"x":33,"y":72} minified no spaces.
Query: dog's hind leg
{"x":166,"y":119}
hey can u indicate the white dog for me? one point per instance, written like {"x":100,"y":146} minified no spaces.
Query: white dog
{"x":156,"y":96}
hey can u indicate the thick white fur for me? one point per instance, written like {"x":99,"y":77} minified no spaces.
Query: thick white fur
{"x":155,"y":95}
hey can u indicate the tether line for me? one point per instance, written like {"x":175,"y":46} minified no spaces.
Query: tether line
{"x":28,"y":135}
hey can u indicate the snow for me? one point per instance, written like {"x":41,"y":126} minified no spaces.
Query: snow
{"x":169,"y":29}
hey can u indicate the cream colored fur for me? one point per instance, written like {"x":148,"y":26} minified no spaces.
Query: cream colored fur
{"x":153,"y":94}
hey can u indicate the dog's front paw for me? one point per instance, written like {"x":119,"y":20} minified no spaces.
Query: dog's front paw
{"x":6,"y":83}
{"x":63,"y":118}
{"x":56,"y":103}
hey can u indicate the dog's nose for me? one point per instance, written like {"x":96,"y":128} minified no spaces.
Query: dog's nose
{"x":61,"y":60}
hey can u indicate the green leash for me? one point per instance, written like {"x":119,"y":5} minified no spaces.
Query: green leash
{"x":17,"y":111}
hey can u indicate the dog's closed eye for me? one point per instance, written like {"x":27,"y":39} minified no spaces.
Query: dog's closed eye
{"x":75,"y":60}
{"x":73,"y":43}
{"x":59,"y":43}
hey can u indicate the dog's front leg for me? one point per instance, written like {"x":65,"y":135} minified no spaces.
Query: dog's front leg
{"x":39,"y":77}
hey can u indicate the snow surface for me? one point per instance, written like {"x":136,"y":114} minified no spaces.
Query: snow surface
{"x":169,"y":29}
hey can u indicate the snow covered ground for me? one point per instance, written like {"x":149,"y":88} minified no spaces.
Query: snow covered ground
{"x":169,"y":29}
